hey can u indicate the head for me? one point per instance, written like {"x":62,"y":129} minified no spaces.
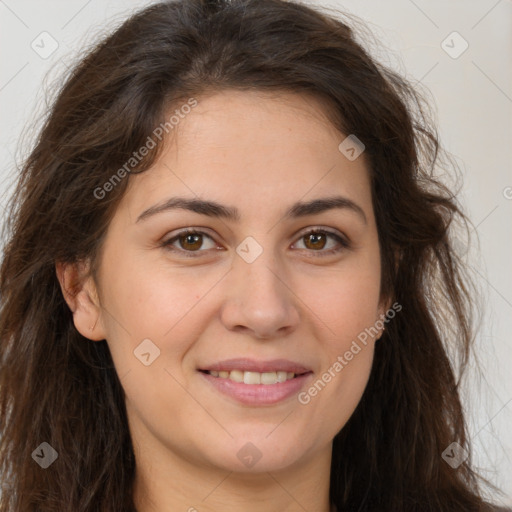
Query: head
{"x":317,"y":233}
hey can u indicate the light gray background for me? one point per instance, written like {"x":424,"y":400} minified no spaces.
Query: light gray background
{"x":473,"y":98}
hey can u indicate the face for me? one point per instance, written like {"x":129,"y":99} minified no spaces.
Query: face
{"x":275,"y":288}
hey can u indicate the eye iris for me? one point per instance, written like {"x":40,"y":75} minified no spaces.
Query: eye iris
{"x":194,"y":240}
{"x":314,"y":238}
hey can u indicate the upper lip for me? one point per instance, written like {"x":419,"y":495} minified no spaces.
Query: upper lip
{"x":250,"y":365}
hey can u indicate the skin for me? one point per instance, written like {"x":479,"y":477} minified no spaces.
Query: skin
{"x":259,"y":153}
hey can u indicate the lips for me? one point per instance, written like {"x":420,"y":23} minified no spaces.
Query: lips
{"x":256,"y":383}
{"x":256,"y":395}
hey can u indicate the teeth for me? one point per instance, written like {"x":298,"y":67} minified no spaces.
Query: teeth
{"x":237,"y":376}
{"x":254,"y":377}
{"x":282,"y":376}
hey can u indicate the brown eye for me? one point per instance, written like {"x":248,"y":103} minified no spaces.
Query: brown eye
{"x":323,"y":242}
{"x":191,"y":242}
{"x":315,"y":240}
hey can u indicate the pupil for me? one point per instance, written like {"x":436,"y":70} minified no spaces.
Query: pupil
{"x":315,"y":238}
{"x":192,"y":240}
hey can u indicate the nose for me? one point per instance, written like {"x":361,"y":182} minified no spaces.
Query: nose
{"x":259,"y":299}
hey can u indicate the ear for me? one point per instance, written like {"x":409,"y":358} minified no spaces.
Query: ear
{"x":81,"y":296}
{"x":384,"y":307}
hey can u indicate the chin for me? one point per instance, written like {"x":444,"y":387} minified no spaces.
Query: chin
{"x":257,"y":453}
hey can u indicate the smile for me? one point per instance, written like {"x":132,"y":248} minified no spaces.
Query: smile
{"x":266,"y":378}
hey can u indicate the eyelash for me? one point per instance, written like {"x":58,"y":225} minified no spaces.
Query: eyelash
{"x":344,"y":243}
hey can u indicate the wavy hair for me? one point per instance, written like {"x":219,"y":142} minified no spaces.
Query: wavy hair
{"x":57,"y":386}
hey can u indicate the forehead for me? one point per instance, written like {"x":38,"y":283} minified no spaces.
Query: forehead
{"x":252,"y":148}
{"x":250,"y":120}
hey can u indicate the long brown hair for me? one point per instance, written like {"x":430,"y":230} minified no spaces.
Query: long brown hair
{"x":58,"y":387}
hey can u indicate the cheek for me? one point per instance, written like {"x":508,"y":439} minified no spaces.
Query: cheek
{"x":146,"y":294}
{"x":345,"y":303}
{"x":150,"y":299}
{"x":347,"y":309}
{"x":146,"y":302}
{"x":345,"y":300}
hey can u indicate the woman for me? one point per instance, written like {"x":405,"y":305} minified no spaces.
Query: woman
{"x":229,"y":282}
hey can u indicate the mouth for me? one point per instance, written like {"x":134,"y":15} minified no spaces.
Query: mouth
{"x":257,"y":383}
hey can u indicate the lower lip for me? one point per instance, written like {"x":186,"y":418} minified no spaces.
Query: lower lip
{"x":258,"y":394}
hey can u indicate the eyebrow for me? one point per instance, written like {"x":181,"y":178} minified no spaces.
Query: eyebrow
{"x":214,"y":209}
